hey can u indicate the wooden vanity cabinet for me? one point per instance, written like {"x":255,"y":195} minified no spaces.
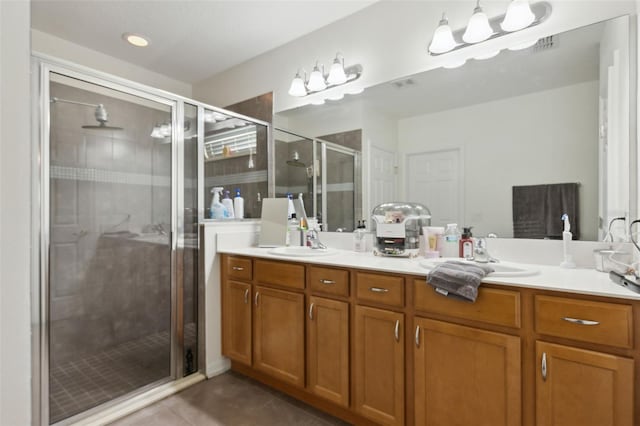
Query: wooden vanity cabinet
{"x":579,"y":387}
{"x":278,"y":338}
{"x":465,"y":376}
{"x":328,"y":349}
{"x":236,"y":321}
{"x":379,"y":365}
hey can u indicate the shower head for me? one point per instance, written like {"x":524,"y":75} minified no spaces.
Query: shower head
{"x":295,"y":160}
{"x":101,"y":114}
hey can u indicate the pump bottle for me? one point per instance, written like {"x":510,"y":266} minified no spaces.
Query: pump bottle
{"x":238,"y":205}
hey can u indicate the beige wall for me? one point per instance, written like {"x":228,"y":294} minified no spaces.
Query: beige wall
{"x":62,"y":49}
{"x":15,"y":233}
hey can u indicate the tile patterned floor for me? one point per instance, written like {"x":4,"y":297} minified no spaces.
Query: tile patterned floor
{"x":78,"y":385}
{"x":229,"y":400}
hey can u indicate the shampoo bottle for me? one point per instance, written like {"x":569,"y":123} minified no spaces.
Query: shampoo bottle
{"x":238,"y":205}
{"x":228,"y":204}
{"x":218,"y":210}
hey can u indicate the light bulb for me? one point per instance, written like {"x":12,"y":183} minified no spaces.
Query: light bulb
{"x":478,"y":28}
{"x":518,"y":16}
{"x":442,"y":41}
{"x":316,"y":80}
{"x":297,"y":86}
{"x":336,"y":73}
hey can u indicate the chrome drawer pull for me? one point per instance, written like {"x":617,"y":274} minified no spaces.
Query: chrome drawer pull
{"x":255,"y":300}
{"x":311,"y":312}
{"x":238,"y":268}
{"x":580,"y":321}
{"x":379,"y":290}
{"x":246,"y":296}
{"x":417,"y":336}
{"x":543,"y":367}
{"x":327,"y":282}
{"x":396,"y":332}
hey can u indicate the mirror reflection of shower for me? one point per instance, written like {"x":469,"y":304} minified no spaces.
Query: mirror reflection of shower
{"x":101,"y":114}
{"x":295,"y":162}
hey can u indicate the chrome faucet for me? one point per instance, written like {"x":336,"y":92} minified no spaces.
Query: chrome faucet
{"x":480,"y":252}
{"x":313,"y":240}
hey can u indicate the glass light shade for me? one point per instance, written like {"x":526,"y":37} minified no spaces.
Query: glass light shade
{"x":316,"y":80}
{"x":297,"y":87}
{"x":519,"y":16}
{"x":442,"y":41}
{"x":336,"y":73}
{"x":478,"y":28}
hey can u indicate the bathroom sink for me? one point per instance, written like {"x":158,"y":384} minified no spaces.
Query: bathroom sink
{"x":299,"y":251}
{"x":501,"y":269}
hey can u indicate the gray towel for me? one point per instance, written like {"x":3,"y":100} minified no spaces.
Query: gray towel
{"x":459,"y":280}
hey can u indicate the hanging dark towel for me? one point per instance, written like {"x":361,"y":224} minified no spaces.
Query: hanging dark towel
{"x":537,"y":210}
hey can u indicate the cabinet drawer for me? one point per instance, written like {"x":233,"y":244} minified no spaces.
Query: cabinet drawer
{"x":238,"y":268}
{"x":380,"y":289}
{"x":280,"y":273}
{"x":597,"y":322}
{"x":329,"y":281}
{"x":493,"y":306}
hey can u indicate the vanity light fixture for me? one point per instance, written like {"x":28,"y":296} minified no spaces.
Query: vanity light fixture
{"x":319,"y":81}
{"x":519,"y":15}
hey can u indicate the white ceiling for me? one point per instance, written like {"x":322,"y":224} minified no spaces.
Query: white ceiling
{"x":190,"y":40}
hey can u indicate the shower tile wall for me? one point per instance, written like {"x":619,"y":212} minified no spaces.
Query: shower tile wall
{"x":108,"y":286}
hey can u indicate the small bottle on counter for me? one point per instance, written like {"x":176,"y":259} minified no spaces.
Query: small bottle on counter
{"x":466,"y":243}
{"x":450,"y":246}
{"x":360,"y":237}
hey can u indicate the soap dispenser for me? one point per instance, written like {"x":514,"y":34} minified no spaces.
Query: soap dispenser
{"x":360,"y":237}
{"x":566,"y":238}
{"x":466,"y":243}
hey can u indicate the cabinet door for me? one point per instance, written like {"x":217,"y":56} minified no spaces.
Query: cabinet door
{"x":328,"y":349}
{"x":465,"y":376}
{"x":379,"y":365}
{"x":279,"y":334}
{"x":580,"y":387}
{"x":236,"y":321}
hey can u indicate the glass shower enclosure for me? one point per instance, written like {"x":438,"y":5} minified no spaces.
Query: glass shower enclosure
{"x":118,"y":193}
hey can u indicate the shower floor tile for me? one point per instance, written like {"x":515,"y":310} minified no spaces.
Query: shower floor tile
{"x":78,"y":385}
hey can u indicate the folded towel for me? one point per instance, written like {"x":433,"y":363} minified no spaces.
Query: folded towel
{"x":458,"y":279}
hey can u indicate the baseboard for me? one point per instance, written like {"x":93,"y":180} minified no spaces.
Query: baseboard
{"x":218,"y":367}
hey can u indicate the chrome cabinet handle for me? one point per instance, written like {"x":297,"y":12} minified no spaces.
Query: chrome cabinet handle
{"x":417,"y":336}
{"x":255,"y":299}
{"x":543,"y":367}
{"x":580,"y":321}
{"x":327,"y":281}
{"x":246,"y":296}
{"x":379,"y":290}
{"x":238,"y":268}
{"x":311,"y":311}
{"x":396,"y":332}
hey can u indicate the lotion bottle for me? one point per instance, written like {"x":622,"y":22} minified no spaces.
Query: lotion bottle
{"x":238,"y":205}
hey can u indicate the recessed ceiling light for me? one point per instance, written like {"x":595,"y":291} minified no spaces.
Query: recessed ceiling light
{"x":135,"y":39}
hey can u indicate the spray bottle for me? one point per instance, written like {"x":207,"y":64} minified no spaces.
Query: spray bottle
{"x":218,"y":210}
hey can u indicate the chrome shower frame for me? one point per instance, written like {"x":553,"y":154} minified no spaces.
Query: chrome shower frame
{"x":42,"y":67}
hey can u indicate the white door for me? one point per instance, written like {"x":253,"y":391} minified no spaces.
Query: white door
{"x":383,"y":177}
{"x":435,"y":180}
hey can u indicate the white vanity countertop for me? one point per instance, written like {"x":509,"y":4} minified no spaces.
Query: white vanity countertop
{"x":582,"y":281}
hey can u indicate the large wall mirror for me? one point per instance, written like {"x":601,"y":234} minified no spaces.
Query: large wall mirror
{"x":470,"y":141}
